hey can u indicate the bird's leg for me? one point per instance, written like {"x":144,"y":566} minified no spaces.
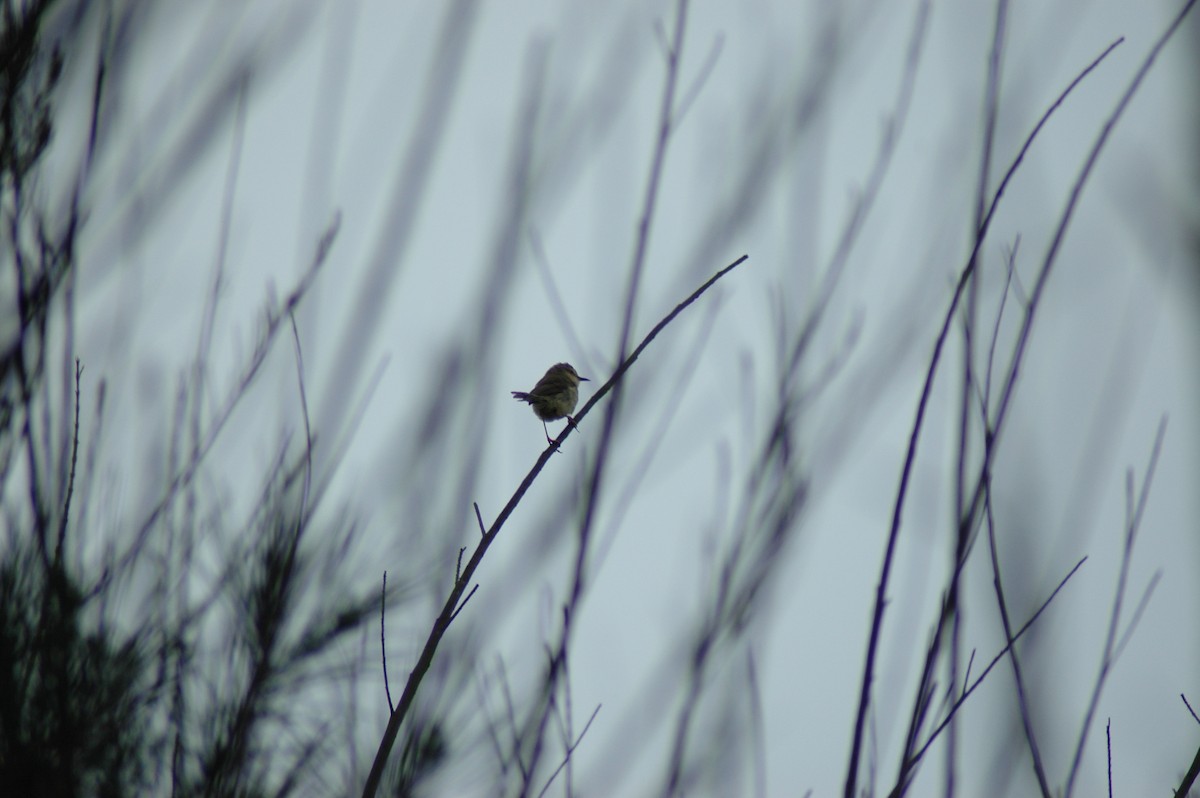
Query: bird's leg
{"x":547,"y":429}
{"x":571,"y":421}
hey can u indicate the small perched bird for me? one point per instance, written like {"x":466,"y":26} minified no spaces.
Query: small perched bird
{"x":555,"y":395}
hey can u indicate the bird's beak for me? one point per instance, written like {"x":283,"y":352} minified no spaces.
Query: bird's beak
{"x":584,"y":379}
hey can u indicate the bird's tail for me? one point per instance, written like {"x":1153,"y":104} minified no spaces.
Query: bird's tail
{"x":521,"y":396}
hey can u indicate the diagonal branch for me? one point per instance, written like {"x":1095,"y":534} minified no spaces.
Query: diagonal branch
{"x":442,"y":622}
{"x":918,"y":423}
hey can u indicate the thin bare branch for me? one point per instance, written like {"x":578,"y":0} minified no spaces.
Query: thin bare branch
{"x":1189,"y":778}
{"x":308,"y":436}
{"x":1189,"y":708}
{"x":479,"y":518}
{"x":464,"y":603}
{"x":1108,"y":746}
{"x":66,"y":511}
{"x":557,"y":305}
{"x":387,"y":688}
{"x":570,"y":751}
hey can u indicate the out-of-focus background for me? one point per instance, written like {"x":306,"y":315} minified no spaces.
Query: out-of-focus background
{"x":303,"y":251}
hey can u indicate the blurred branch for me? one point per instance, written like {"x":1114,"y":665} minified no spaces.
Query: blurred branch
{"x":274,"y":319}
{"x":849,"y":236}
{"x":400,"y":210}
{"x":666,"y":110}
{"x":570,"y":749}
{"x":578,"y":352}
{"x":66,"y":511}
{"x":308,"y":435}
{"x":969,"y":380}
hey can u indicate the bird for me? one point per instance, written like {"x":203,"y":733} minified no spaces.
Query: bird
{"x":554,"y":396}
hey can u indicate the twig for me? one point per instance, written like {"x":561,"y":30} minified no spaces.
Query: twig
{"x":1108,"y":745}
{"x":564,"y":715}
{"x":62,"y":527}
{"x":464,"y":602}
{"x":387,"y":688}
{"x":308,"y":438}
{"x":967,"y":675}
{"x":1189,"y":707}
{"x":969,"y":513}
{"x":1137,"y":614}
{"x":1190,"y":777}
{"x":479,"y":518}
{"x":570,"y":751}
{"x":511,"y":712}
{"x":493,"y":735}
{"x":1009,"y":284}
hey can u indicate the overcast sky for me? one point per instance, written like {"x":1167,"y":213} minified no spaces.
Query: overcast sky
{"x":475,"y":194}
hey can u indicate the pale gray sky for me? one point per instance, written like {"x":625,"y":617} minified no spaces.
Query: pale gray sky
{"x":776,"y":147}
